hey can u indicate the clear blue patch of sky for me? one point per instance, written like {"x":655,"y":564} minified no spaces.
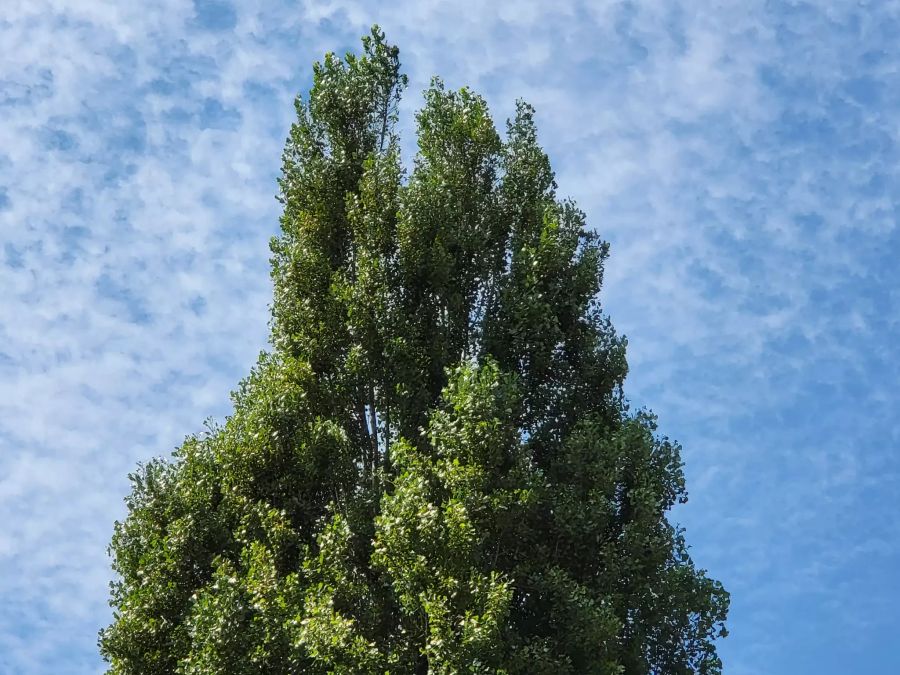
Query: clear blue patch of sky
{"x":214,"y":115}
{"x":27,"y":87}
{"x":12,"y":256}
{"x":125,"y":301}
{"x":215,"y":15}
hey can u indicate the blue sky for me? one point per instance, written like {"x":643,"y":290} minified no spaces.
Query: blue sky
{"x":741,"y":158}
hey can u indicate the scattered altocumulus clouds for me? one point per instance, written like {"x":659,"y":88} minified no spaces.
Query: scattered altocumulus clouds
{"x":741,"y":157}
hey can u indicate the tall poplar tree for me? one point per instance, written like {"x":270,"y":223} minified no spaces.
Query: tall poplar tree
{"x":434,"y":469}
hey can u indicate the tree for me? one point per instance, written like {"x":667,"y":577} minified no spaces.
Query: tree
{"x":434,"y":469}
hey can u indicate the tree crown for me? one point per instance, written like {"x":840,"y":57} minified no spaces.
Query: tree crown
{"x":434,"y":469}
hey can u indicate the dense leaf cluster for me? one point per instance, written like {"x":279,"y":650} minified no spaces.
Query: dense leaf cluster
{"x":434,"y":469}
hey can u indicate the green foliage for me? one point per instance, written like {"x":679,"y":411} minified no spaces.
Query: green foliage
{"x":434,"y":470}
